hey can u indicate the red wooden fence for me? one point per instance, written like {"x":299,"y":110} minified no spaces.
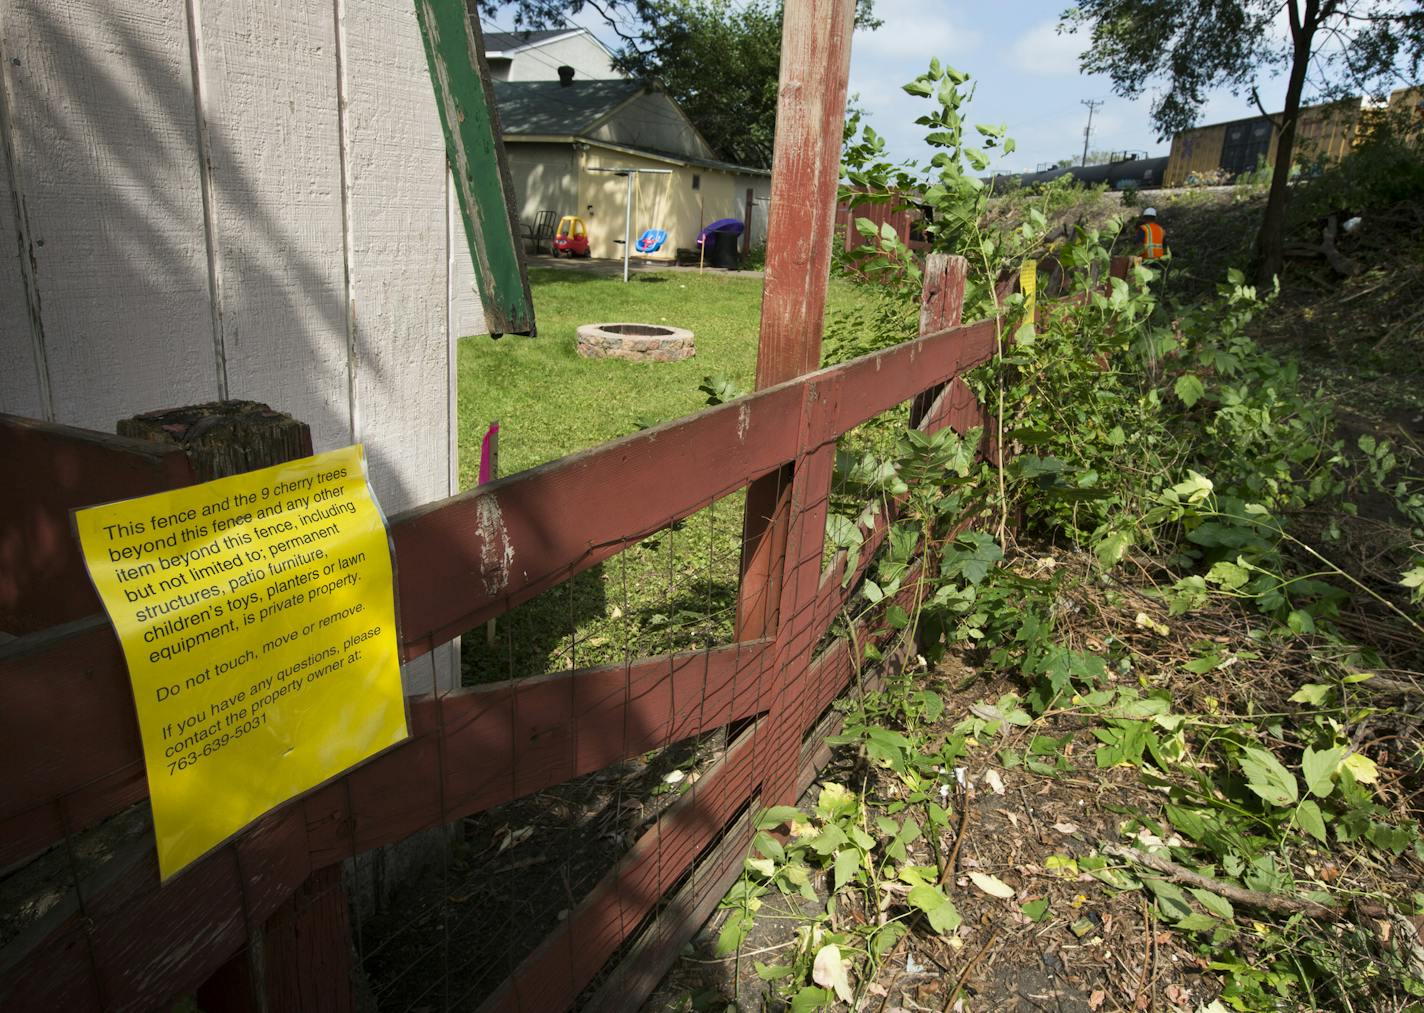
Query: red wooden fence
{"x":69,"y":746}
{"x":903,"y":219}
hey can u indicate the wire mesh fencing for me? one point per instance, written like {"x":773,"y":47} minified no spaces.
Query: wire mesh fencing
{"x":478,"y":897}
{"x":657,"y":668}
{"x":674,"y":590}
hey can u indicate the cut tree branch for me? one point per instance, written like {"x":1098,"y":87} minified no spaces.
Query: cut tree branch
{"x":1327,"y":249}
{"x":1276,"y":902}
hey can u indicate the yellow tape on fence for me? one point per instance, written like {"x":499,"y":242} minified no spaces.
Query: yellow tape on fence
{"x":1028,"y":285}
{"x":257,"y":616}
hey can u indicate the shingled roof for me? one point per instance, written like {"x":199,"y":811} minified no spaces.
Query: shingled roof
{"x":550,"y":107}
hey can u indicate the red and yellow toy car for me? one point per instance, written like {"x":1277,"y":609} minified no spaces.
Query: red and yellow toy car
{"x":571,"y":237}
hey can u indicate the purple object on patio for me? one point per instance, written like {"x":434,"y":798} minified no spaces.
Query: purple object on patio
{"x":731,"y":226}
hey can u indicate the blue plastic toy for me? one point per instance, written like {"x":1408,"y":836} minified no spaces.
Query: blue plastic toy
{"x":651,"y":241}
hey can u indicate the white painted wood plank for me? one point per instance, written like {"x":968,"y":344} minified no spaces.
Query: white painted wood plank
{"x":269,"y":81}
{"x":398,"y":218}
{"x":400,"y":267}
{"x":19,"y":374}
{"x":467,"y":313}
{"x":103,"y":105}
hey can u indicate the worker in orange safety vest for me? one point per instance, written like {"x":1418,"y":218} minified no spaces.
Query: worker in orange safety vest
{"x":1154,"y":240}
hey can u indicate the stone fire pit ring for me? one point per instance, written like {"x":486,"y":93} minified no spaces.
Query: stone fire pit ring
{"x":636,"y":342}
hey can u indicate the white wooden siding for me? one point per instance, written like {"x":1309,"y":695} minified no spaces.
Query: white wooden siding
{"x":545,"y":177}
{"x":591,"y":62}
{"x":104,"y":142}
{"x":761,"y":204}
{"x":22,"y":389}
{"x":467,"y":314}
{"x":222,"y":196}
{"x":270,"y":92}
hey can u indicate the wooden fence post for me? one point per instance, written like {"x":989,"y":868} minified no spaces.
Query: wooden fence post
{"x":300,"y":959}
{"x":57,"y":468}
{"x":815,"y":68}
{"x":224,"y":438}
{"x":786,"y":510}
{"x":941,"y":307}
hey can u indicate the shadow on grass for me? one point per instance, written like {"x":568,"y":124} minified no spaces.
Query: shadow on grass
{"x":540,"y":636}
{"x":674,"y":591}
{"x":544,"y":274}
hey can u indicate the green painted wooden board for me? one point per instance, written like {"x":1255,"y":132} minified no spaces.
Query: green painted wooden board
{"x":454,"y":48}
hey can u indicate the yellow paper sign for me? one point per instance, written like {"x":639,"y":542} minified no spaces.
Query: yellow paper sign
{"x":1028,"y":285}
{"x":257,"y":616}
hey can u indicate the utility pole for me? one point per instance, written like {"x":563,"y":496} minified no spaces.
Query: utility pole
{"x":1092,"y":105}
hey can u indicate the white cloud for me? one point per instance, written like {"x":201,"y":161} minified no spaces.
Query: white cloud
{"x":1044,"y":52}
{"x":911,"y":35}
{"x":1222,"y":106}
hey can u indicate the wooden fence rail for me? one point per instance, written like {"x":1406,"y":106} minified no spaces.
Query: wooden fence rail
{"x":120,"y":942}
{"x":542,"y":526}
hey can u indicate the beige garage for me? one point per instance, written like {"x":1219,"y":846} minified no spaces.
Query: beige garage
{"x":562,"y":137}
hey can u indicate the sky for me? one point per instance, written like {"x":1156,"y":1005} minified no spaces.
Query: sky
{"x":1026,"y":75}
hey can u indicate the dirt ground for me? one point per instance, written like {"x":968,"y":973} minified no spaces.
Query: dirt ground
{"x":1090,"y":951}
{"x":1035,"y":805}
{"x":1360,"y":337}
{"x":1360,"y":340}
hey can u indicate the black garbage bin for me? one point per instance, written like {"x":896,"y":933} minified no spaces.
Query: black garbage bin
{"x":721,"y":242}
{"x":725,"y":252}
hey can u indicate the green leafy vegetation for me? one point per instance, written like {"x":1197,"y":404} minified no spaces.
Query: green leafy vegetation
{"x":1176,"y":628}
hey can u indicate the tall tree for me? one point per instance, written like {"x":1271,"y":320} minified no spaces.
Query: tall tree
{"x":718,"y":59}
{"x":720,"y":63}
{"x":1192,"y":46}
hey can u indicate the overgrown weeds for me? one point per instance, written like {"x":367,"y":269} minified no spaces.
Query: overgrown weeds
{"x":1176,"y":620}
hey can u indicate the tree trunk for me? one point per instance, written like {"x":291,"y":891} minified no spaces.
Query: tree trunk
{"x":1270,"y":241}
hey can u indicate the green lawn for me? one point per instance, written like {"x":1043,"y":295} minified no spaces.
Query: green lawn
{"x":676,"y":590}
{"x":550,"y":402}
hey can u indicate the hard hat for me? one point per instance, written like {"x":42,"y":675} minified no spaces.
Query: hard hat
{"x":1150,"y":213}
